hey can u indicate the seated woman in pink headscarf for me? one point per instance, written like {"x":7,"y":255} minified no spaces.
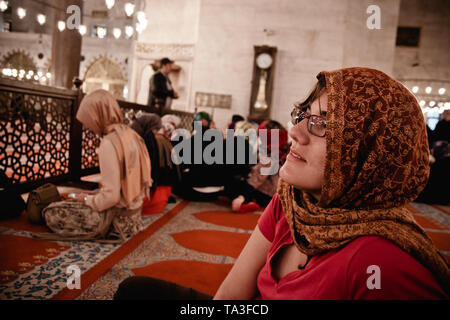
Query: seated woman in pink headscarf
{"x":114,"y":211}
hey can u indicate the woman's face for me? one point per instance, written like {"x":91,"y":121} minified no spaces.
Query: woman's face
{"x":305,"y":163}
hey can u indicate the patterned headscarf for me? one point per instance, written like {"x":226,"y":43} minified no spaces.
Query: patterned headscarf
{"x":376,"y":162}
{"x":100,"y":112}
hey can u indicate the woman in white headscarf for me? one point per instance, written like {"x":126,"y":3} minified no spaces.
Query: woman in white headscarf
{"x":169,"y":122}
{"x":125,"y":178}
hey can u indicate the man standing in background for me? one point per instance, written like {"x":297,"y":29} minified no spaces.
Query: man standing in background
{"x":161,"y":91}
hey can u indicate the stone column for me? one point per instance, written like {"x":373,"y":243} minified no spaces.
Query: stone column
{"x":66,"y":47}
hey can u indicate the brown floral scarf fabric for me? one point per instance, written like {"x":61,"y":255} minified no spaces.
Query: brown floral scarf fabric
{"x":376,"y":162}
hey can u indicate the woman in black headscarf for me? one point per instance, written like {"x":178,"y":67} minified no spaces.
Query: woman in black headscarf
{"x":147,"y":125}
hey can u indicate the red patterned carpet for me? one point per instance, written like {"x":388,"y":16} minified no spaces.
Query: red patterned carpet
{"x":20,"y":254}
{"x":190,"y":243}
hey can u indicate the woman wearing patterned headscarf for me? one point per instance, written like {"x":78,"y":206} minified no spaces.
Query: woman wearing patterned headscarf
{"x":338,"y":227}
{"x":147,"y":125}
{"x":114,"y":211}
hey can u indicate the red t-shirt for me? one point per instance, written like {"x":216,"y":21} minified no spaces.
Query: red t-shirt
{"x":344,"y":273}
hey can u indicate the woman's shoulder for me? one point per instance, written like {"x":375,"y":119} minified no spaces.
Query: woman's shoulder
{"x":106,"y":143}
{"x":377,"y":267}
{"x":375,"y":249}
{"x":275,"y":207}
{"x":271,"y":217}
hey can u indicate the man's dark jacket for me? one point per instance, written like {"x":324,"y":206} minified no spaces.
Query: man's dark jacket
{"x":159,"y":91}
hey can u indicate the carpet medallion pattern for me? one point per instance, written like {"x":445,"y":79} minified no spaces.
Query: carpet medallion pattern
{"x":191,"y":243}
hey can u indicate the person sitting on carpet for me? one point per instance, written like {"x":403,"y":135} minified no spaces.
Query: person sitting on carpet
{"x":114,"y":212}
{"x":199,"y":176}
{"x":338,"y":227}
{"x":257,"y":190}
{"x":434,"y":192}
{"x":147,"y":125}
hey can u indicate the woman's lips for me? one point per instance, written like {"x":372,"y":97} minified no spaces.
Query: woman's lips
{"x":296,"y":156}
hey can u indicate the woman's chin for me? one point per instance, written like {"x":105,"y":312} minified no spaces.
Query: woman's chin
{"x":288,"y":175}
{"x":300,"y":180}
{"x":282,"y":173}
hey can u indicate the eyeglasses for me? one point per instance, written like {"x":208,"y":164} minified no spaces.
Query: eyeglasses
{"x":316,"y":124}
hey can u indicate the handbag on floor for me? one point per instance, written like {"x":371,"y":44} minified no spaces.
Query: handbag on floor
{"x":11,"y":202}
{"x":38,"y":200}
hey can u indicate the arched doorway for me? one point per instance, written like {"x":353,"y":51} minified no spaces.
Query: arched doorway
{"x":24,"y":66}
{"x":144,"y":84}
{"x":105,"y":74}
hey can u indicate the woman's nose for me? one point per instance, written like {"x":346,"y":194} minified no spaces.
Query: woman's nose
{"x":299,"y":132}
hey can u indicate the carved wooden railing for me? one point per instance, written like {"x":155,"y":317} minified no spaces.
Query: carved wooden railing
{"x":40,"y":140}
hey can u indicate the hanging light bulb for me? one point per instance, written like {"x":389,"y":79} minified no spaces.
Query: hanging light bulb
{"x":141,"y":16}
{"x":432,"y":103}
{"x":441,"y":90}
{"x":428,"y":89}
{"x":117,"y":32}
{"x":21,"y":12}
{"x":142,"y":21}
{"x":101,"y":32}
{"x":61,"y":25}
{"x":3,"y":6}
{"x":41,"y":18}
{"x":422,"y":103}
{"x":415,"y":89}
{"x":129,"y":31}
{"x":82,"y":29}
{"x":129,"y":9}
{"x":139,"y":28}
{"x":109,"y":4}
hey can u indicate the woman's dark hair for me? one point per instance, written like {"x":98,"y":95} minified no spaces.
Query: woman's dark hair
{"x":236,"y":118}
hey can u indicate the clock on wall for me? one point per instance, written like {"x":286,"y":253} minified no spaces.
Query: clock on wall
{"x":262,"y":83}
